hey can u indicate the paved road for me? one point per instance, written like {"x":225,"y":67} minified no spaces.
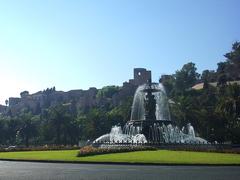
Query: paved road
{"x":55,"y":171}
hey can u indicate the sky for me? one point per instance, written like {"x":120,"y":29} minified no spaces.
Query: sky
{"x":77,"y":44}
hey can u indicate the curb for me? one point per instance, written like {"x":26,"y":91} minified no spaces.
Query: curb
{"x":117,"y":163}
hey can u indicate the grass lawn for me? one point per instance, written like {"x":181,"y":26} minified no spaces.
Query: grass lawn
{"x":160,"y":156}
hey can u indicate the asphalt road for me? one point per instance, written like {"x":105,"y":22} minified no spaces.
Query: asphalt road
{"x":49,"y":171}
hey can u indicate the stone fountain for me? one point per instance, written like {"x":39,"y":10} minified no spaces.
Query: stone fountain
{"x":150,"y":121}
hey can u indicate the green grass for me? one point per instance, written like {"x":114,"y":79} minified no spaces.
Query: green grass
{"x":160,"y":156}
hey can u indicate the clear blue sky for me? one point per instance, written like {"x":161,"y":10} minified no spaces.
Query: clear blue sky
{"x":75,"y":44}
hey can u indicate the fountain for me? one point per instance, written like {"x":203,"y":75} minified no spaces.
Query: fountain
{"x":150,"y":121}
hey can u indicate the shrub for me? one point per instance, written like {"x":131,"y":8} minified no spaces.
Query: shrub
{"x":90,"y":150}
{"x":38,"y":148}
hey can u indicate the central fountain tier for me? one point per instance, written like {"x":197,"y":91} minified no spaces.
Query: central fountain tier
{"x":150,"y":103}
{"x":152,"y":129}
{"x":150,"y":111}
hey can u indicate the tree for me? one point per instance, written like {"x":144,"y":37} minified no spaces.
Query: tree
{"x":233,"y":60}
{"x":185,"y":109}
{"x":3,"y":129}
{"x":107,"y":91}
{"x":120,"y":114}
{"x":230,"y":68}
{"x":56,"y":117}
{"x":28,"y":127}
{"x":209,"y":76}
{"x":6,"y":102}
{"x":86,"y":127}
{"x":229,"y":109}
{"x":60,"y":123}
{"x":186,"y":77}
{"x":12,"y":126}
{"x":168,"y":81}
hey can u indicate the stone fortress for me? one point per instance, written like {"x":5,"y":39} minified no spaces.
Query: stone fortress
{"x":83,"y":99}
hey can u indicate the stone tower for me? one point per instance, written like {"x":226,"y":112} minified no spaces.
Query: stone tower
{"x":141,"y":76}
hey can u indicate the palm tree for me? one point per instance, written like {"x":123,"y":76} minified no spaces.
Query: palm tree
{"x":28,"y":127}
{"x":229,"y":108}
{"x":6,"y":102}
{"x":59,"y":120}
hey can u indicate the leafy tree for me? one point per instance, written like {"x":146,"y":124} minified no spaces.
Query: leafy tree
{"x":233,"y":60}
{"x":230,"y":68}
{"x":186,"y":77}
{"x":209,"y":76}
